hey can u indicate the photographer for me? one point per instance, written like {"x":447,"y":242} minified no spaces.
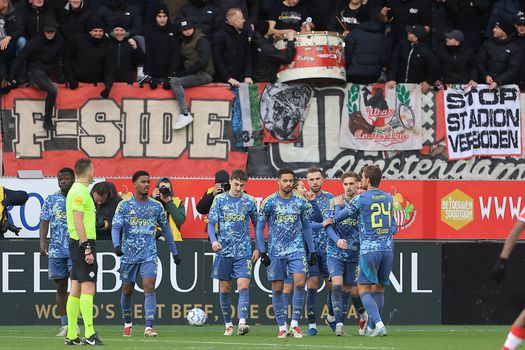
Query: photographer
{"x":173,"y":206}
{"x":8,"y":198}
{"x":106,"y":201}
{"x":222,"y":184}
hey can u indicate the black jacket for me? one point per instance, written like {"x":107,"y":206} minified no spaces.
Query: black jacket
{"x":89,"y":60}
{"x":163,"y":48}
{"x":250,"y":10}
{"x":323,"y":13}
{"x":231,"y":54}
{"x":126,"y":60}
{"x":35,"y":19}
{"x":408,"y":12}
{"x":118,"y":11}
{"x":413,"y":63}
{"x":267,"y":58}
{"x":458,"y":64}
{"x":14,"y":21}
{"x":365,"y":50}
{"x":73,"y":24}
{"x":40,"y":54}
{"x":499,"y":59}
{"x":203,"y":16}
{"x":469,"y":16}
{"x":520,"y":41}
{"x":106,"y":211}
{"x":441,"y":22}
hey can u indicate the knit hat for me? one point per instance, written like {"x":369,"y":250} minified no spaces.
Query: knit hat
{"x":222,"y":176}
{"x":95,"y":23}
{"x":162,"y":8}
{"x":418,"y":30}
{"x":261,"y":27}
{"x":520,"y":18}
{"x":120,"y":23}
{"x":49,"y":25}
{"x":506,"y":25}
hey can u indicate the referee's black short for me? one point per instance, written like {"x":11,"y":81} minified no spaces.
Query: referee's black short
{"x":81,"y":271}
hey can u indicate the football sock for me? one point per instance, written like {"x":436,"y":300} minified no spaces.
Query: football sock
{"x":379,"y":298}
{"x":298,"y":302}
{"x":371,"y":308}
{"x":125,"y":304}
{"x":277,"y":301}
{"x":514,"y":338}
{"x":286,"y":302}
{"x":358,"y":304}
{"x":311,"y":304}
{"x":244,"y":303}
{"x":150,"y":306}
{"x":72,"y":308}
{"x":86,"y":308}
{"x":63,"y":320}
{"x":337,"y":301}
{"x":329,"y":303}
{"x":226,"y":306}
{"x":344,"y":305}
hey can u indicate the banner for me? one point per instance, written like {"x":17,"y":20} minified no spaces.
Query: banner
{"x":378,"y":118}
{"x":133,"y":125}
{"x":28,"y":297}
{"x":424,"y":210}
{"x":483,"y":122}
{"x":246,"y":116}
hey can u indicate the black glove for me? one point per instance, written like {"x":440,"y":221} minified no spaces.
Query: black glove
{"x":153,"y":84}
{"x":313,"y":259}
{"x":166,"y":84}
{"x":499,"y":269}
{"x":118,"y":251}
{"x":105,"y":93}
{"x":13,"y":84}
{"x":73,"y":85}
{"x":176,"y":259}
{"x":265,"y":259}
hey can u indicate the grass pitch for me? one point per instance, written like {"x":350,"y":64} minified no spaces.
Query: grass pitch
{"x":263,"y":337}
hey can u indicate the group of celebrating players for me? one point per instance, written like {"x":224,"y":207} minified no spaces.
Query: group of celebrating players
{"x":345,"y":239}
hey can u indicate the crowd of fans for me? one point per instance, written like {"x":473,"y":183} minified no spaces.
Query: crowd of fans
{"x":175,"y":43}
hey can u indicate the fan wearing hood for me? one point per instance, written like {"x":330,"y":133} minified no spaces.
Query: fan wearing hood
{"x":200,"y":12}
{"x":163,"y":48}
{"x":40,"y":57}
{"x":173,"y":206}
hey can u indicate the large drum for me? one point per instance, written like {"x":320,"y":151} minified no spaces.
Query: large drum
{"x":318,"y":55}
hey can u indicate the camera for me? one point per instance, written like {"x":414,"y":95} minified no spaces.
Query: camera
{"x":225,"y":186}
{"x":164,"y":191}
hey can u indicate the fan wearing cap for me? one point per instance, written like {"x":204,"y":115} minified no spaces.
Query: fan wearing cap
{"x":40,"y":57}
{"x":91,"y":58}
{"x":458,"y":62}
{"x":127,"y":52}
{"x":413,"y":61}
{"x":195,"y":67}
{"x":520,"y":41}
{"x":201,"y":12}
{"x":499,"y":56}
{"x":266,"y":57}
{"x":163,"y":48}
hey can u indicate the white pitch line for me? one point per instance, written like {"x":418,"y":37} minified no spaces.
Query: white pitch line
{"x":224,"y":343}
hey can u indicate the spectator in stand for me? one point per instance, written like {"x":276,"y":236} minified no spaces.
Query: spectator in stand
{"x":163,"y":48}
{"x":11,"y":31}
{"x":290,"y":14}
{"x":323,"y":13}
{"x":499,"y":57}
{"x":350,"y":15}
{"x":413,"y":61}
{"x":365,"y":53}
{"x":222,"y":184}
{"x":520,"y":41}
{"x":457,"y":60}
{"x":441,"y":22}
{"x":36,"y":15}
{"x":40,"y":56}
{"x":106,"y":201}
{"x":91,"y":59}
{"x":173,"y":206}
{"x":401,"y":14}
{"x":470,"y":16}
{"x":124,"y":12}
{"x":200,"y":12}
{"x":502,"y":11}
{"x":249,"y":8}
{"x":128,"y":55}
{"x":231,"y":50}
{"x":74,"y":18}
{"x":266,"y":57}
{"x":196,"y":67}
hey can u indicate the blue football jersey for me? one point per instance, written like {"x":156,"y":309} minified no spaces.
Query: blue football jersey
{"x":347,"y":229}
{"x":231,"y":216}
{"x":319,"y":233}
{"x":286,"y":219}
{"x":54,"y":211}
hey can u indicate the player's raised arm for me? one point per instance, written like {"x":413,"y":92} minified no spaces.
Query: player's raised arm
{"x":343,"y":212}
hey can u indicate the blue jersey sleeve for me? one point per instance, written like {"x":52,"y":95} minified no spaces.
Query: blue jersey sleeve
{"x":46,"y":213}
{"x":308,"y":238}
{"x":332,"y":234}
{"x":116,"y":225}
{"x":317,"y":215}
{"x":213,"y":218}
{"x":166,"y":230}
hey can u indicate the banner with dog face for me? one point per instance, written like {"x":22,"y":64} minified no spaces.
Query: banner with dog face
{"x":378,"y":119}
{"x":483,"y":122}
